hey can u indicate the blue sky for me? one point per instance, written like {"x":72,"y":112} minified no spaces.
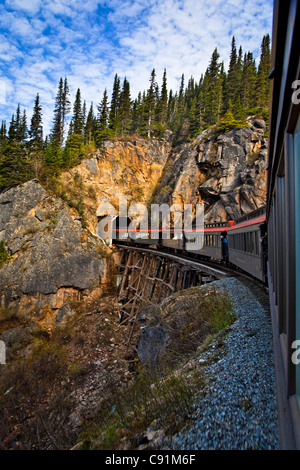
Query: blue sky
{"x":89,"y":41}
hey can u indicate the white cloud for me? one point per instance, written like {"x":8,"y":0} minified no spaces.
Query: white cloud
{"x":90,"y":41}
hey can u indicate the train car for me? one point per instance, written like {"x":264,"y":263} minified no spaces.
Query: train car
{"x":283,"y":214}
{"x":112,"y":229}
{"x":174,"y":242}
{"x":245,"y":244}
{"x":211,"y":241}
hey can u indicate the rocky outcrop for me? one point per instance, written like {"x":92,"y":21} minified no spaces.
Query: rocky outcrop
{"x":54,"y":262}
{"x":225,"y":172}
{"x":178,"y":326}
{"x":128,"y":169}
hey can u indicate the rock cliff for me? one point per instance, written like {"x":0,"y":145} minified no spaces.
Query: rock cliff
{"x":122,"y":168}
{"x":54,"y":262}
{"x":226,"y":172}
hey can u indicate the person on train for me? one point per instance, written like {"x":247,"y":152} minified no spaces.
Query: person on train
{"x":225,"y":250}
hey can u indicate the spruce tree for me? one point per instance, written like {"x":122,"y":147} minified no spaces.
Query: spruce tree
{"x":14,"y":166}
{"x":78,"y":118}
{"x":249,"y":73}
{"x":114,"y":119}
{"x":125,"y":108}
{"x":150,"y":105}
{"x":212,"y":86}
{"x":3,"y":136}
{"x":36,"y":127}
{"x":54,"y":154}
{"x":231,"y":76}
{"x":89,"y":128}
{"x":163,"y":101}
{"x":263,"y":83}
{"x":103,"y":132}
{"x":62,"y":108}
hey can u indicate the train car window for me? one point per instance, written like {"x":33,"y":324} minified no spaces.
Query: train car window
{"x":297,"y":231}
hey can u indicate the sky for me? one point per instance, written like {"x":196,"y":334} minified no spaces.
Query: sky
{"x":89,"y":41}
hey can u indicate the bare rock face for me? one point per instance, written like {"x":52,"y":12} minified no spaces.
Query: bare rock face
{"x":225,"y":172}
{"x":54,"y":262}
{"x":127,"y":169}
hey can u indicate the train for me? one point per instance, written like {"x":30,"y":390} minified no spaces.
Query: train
{"x":244,"y":237}
{"x":283,"y":215}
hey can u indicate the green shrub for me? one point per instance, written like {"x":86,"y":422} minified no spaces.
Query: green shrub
{"x":4,"y":256}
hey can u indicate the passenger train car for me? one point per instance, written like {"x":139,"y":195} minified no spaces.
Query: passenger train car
{"x":283,"y":214}
{"x":246,"y":244}
{"x":245,"y":248}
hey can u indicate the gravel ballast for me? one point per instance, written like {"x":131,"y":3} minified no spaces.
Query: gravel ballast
{"x":237,"y":409}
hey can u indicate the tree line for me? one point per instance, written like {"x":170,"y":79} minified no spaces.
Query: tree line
{"x":219,"y":95}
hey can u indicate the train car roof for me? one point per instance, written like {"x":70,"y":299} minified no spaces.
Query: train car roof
{"x":257,"y":220}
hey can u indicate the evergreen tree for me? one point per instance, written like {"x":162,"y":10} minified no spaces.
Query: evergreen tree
{"x":78,"y":117}
{"x":62,"y":108}
{"x":54,"y":154}
{"x":248,"y":94}
{"x":125,"y":108}
{"x":90,"y":127}
{"x":150,"y":105}
{"x":103,"y":132}
{"x":212,"y":87}
{"x":137,"y":114}
{"x":263,"y":83}
{"x":14,"y":166}
{"x":12,"y":130}
{"x":231,"y":76}
{"x":36,"y":127}
{"x":163,"y":101}
{"x":3,"y":136}
{"x":114,"y":120}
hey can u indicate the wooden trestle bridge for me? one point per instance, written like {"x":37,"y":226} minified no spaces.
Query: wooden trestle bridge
{"x":148,"y":276}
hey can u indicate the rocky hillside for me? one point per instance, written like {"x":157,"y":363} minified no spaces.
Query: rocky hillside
{"x":54,"y":262}
{"x":226,"y":172}
{"x":54,"y":257}
{"x":129,"y":168}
